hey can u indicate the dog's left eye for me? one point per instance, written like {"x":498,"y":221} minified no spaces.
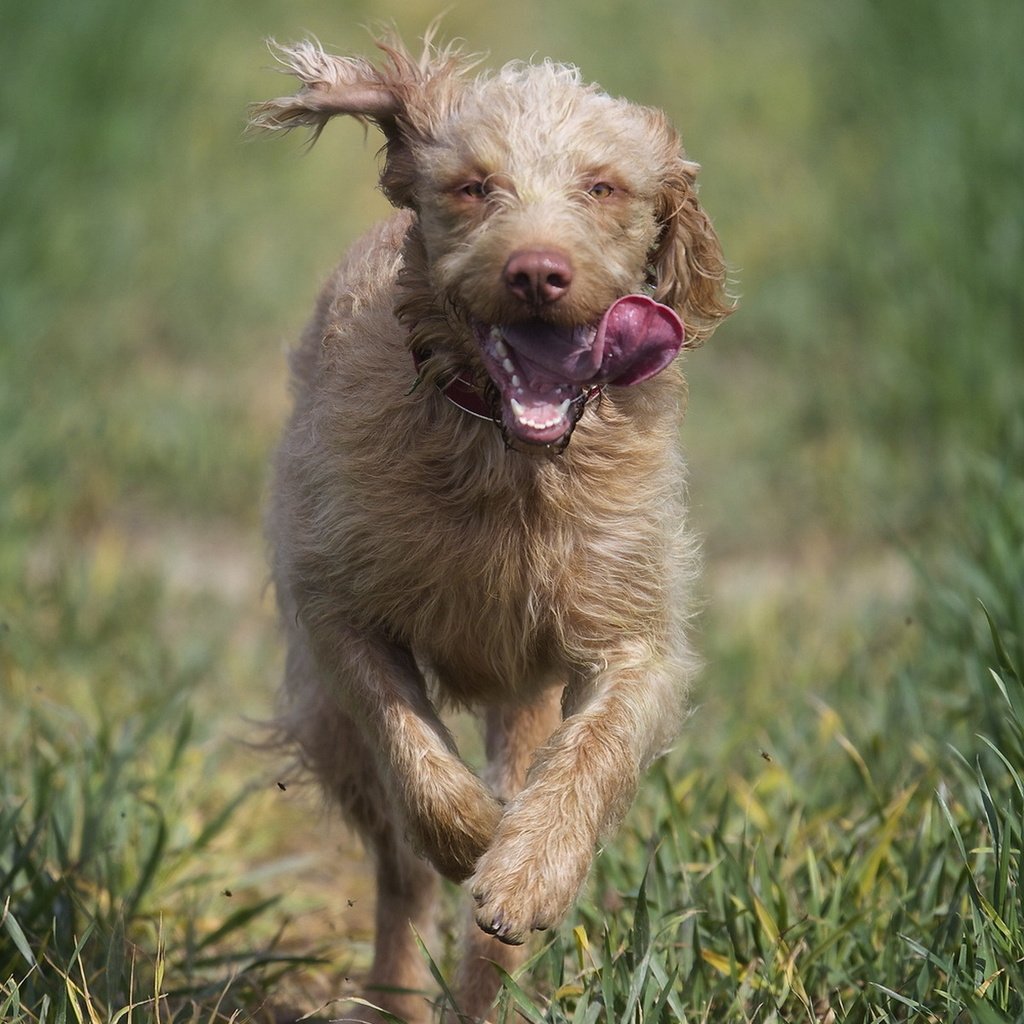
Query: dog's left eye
{"x":473,"y":190}
{"x":602,"y":190}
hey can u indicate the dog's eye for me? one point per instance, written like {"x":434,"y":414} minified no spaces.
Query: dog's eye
{"x":473,"y":190}
{"x":602,"y":190}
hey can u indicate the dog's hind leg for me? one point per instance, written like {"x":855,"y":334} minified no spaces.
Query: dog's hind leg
{"x":336,"y":749}
{"x":513,"y":733}
{"x":406,"y":889}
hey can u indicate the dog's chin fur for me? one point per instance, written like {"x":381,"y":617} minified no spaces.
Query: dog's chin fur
{"x":423,"y":556}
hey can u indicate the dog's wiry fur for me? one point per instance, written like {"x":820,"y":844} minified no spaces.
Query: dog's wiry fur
{"x":421,"y":557}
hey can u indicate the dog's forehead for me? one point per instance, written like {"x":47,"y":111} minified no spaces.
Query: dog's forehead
{"x":541,"y":120}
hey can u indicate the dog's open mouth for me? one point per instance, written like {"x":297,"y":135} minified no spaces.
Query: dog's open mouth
{"x":543,"y":371}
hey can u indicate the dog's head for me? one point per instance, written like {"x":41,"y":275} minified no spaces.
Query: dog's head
{"x":560,"y":224}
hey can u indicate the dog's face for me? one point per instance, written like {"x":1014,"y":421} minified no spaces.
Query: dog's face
{"x":552,"y":217}
{"x":537,"y":216}
{"x":535,"y":201}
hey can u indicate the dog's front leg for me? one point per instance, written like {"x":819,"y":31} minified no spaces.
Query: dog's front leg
{"x":514,"y":732}
{"x":449,"y":815}
{"x":579,"y":786}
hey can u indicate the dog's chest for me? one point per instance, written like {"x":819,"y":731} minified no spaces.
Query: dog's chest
{"x":479,"y":586}
{"x":492,"y":586}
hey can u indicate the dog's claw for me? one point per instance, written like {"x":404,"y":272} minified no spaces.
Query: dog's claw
{"x":499,"y":926}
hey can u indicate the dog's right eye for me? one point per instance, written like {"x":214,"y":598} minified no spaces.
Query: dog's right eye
{"x":473,"y":190}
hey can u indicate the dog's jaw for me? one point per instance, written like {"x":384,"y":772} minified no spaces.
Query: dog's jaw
{"x":536,"y":408}
{"x":544,"y":373}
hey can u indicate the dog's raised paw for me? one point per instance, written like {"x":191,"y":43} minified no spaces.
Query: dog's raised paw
{"x":454,"y":843}
{"x":505,"y":925}
{"x":510,"y":904}
{"x":498,"y":927}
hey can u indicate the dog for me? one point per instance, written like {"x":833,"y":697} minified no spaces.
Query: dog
{"x":479,"y":498}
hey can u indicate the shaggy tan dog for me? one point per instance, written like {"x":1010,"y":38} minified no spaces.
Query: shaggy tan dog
{"x":479,"y":498}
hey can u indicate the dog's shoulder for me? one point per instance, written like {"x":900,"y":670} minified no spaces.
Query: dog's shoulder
{"x":368,"y":268}
{"x":356,"y":302}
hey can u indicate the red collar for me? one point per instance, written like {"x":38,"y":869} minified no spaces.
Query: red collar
{"x":461,"y":391}
{"x":466,"y":395}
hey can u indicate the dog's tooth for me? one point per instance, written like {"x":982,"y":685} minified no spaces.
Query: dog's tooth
{"x":515,"y":382}
{"x":520,"y":412}
{"x":498,"y":341}
{"x":508,"y":365}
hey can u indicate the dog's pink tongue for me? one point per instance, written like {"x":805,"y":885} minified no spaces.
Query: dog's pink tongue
{"x":637,"y":338}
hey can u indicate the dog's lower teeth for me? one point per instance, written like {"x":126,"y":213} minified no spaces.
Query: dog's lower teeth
{"x":520,"y":412}
{"x":508,"y":365}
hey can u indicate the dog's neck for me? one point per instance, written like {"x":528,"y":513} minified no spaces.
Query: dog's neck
{"x":430,"y":331}
{"x":462,"y":389}
{"x":430,"y":328}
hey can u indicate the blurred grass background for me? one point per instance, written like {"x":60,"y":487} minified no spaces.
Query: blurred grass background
{"x":862,"y":163}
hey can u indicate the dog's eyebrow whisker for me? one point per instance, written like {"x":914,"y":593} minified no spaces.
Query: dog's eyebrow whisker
{"x":510,"y":537}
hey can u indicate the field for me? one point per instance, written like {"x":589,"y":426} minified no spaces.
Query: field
{"x":838,"y":835}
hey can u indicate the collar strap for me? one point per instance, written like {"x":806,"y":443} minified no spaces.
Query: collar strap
{"x":460,"y":390}
{"x":465,"y":394}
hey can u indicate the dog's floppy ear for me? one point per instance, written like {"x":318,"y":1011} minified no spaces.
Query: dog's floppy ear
{"x":403,"y":98}
{"x":687,"y":268}
{"x":330,"y":85}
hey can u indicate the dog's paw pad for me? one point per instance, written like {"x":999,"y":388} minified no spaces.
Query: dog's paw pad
{"x":510,"y":918}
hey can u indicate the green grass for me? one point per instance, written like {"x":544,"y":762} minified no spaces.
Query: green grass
{"x":838,"y":835}
{"x":869,"y":866}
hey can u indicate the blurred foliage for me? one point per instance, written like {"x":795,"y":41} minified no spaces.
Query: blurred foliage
{"x":861,"y":162}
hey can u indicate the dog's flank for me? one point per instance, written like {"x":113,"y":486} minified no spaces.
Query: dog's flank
{"x":550,"y":249}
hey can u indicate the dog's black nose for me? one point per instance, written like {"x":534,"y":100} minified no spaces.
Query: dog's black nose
{"x":538,"y":276}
